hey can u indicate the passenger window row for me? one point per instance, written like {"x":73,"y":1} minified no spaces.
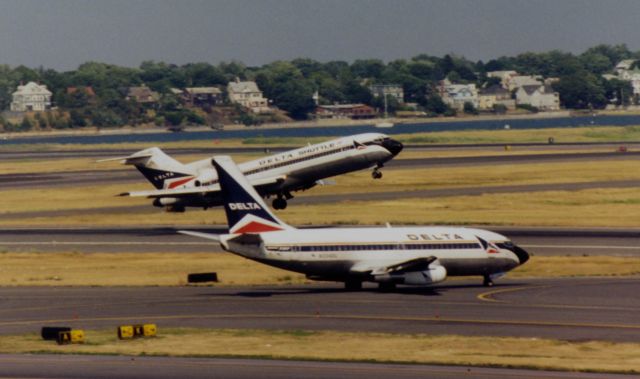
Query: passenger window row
{"x":417,"y":246}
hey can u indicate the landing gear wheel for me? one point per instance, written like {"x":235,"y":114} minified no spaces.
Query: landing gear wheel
{"x":376,"y":174}
{"x":386,"y":286}
{"x":353,"y":285}
{"x":487,"y":282}
{"x":279,"y":203}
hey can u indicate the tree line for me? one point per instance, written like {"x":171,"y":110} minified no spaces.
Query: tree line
{"x":291,"y":84}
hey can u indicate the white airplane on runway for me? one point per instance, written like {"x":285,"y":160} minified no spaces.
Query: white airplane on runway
{"x":196,"y":184}
{"x":388,"y":256}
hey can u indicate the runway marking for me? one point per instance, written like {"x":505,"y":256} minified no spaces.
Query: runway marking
{"x":435,"y":319}
{"x":488,"y":296}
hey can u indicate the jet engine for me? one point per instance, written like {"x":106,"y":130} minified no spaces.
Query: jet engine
{"x":431,"y":275}
{"x":170,"y":204}
{"x":204,"y":178}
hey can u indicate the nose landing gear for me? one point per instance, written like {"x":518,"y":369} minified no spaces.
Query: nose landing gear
{"x":376,"y":174}
{"x":487,"y":281}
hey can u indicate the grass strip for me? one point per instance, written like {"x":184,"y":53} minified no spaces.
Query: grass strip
{"x":171,"y":269}
{"x":560,"y":135}
{"x":511,"y":352}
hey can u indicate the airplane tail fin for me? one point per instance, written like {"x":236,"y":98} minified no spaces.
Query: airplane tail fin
{"x":159,"y":168}
{"x":245,"y":209}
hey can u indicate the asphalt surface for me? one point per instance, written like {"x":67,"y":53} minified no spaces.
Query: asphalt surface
{"x":537,"y":241}
{"x":566,"y":309}
{"x":98,"y":153}
{"x":129,"y":174}
{"x":107,"y":367}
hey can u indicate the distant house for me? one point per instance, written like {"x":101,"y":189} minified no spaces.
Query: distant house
{"x":504,"y":76}
{"x":248,"y":95}
{"x":88,"y":90}
{"x":31,"y":97}
{"x":628,"y":71}
{"x":524,"y":80}
{"x":84,"y":94}
{"x":383,"y":90}
{"x":624,"y":66}
{"x":142,"y":95}
{"x":354,"y":111}
{"x":456,"y":95}
{"x":202,"y":96}
{"x":494,"y":95}
{"x":539,"y":96}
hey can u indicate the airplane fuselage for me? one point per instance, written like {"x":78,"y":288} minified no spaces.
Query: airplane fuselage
{"x":337,"y":254}
{"x":299,"y":169}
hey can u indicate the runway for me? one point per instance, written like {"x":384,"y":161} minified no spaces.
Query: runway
{"x":107,"y":367}
{"x":566,"y":309}
{"x":537,"y":241}
{"x":129,"y":174}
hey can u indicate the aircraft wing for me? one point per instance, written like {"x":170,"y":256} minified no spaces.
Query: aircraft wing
{"x":181,"y":192}
{"x":412,"y":265}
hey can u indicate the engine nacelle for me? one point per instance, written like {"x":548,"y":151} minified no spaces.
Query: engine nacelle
{"x":432,"y":275}
{"x":204,"y":178}
{"x":166,"y":201}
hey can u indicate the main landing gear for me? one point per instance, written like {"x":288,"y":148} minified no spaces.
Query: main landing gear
{"x":376,"y":174}
{"x":352,"y":285}
{"x":487,"y":281}
{"x":280,"y":202}
{"x":386,"y":286}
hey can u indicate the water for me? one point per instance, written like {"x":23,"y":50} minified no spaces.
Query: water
{"x":540,"y":123}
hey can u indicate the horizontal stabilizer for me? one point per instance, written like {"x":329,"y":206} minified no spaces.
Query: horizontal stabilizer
{"x":129,"y":159}
{"x":203,"y":190}
{"x":209,"y":236}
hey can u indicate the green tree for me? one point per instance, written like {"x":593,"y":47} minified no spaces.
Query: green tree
{"x":618,"y":91}
{"x":469,"y":108}
{"x":581,"y":90}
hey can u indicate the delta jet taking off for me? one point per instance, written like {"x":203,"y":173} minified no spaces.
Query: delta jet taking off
{"x":196,"y":184}
{"x":388,"y":256}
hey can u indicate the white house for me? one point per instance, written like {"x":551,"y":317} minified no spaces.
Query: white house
{"x":524,"y":80}
{"x":504,"y":76}
{"x":626,"y":71}
{"x":383,"y":90}
{"x":248,"y":95}
{"x":31,"y":97}
{"x":539,"y":96}
{"x":456,"y":95}
{"x":488,"y":97}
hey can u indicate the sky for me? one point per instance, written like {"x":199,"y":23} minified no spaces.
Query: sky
{"x":62,"y":34}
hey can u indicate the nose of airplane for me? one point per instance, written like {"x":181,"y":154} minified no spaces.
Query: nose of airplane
{"x":522,"y":255}
{"x":394,"y":147}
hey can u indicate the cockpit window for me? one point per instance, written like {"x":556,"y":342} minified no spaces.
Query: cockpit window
{"x":508,"y":245}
